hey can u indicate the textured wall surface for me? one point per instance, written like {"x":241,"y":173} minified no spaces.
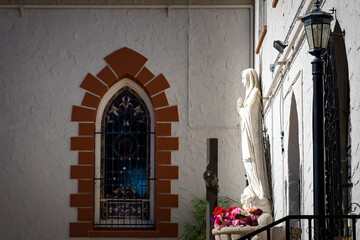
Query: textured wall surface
{"x":46,"y":54}
{"x":295,"y":79}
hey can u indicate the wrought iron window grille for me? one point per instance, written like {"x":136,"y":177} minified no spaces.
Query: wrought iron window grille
{"x":125,"y":171}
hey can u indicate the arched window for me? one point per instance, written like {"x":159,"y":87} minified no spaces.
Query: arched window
{"x":124,"y":189}
{"x":121,"y":107}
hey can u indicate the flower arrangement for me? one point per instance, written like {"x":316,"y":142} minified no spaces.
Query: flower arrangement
{"x":235,"y":216}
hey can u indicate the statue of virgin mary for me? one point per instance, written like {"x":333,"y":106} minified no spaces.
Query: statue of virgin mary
{"x":257,"y":193}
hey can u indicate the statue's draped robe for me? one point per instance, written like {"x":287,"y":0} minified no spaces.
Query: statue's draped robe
{"x":252,"y":146}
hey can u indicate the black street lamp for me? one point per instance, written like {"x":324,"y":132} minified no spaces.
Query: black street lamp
{"x":317,"y":30}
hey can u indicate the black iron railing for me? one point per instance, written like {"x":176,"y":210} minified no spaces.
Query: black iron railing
{"x":287,"y":219}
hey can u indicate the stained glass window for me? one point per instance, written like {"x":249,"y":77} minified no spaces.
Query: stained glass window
{"x":125,"y":161}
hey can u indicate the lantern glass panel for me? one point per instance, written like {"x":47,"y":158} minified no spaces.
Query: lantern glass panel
{"x":325,"y":36}
{"x":317,"y":32}
{"x":309,"y":36}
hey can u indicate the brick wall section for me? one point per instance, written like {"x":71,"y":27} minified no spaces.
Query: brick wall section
{"x":124,"y":63}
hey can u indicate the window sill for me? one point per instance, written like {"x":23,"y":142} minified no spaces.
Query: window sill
{"x":163,"y":229}
{"x":116,"y":233}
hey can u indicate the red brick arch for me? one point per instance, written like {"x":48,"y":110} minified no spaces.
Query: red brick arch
{"x":124,"y":63}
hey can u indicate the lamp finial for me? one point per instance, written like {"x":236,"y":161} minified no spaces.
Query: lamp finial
{"x":317,"y":5}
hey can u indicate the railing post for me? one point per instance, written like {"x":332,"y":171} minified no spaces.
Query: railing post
{"x":310,"y":230}
{"x":287,"y":227}
{"x":211,"y":180}
{"x":354,"y":228}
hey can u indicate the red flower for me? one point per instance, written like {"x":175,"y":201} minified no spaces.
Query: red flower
{"x":230,"y":209}
{"x":218,"y":211}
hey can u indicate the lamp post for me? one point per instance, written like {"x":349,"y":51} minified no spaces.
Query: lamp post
{"x":317,"y":31}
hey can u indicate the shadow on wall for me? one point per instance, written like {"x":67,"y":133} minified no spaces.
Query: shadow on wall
{"x":294,"y":161}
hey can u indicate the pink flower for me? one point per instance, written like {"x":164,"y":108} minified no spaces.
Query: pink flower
{"x":236,"y":222}
{"x":253,"y":220}
{"x":227,"y":222}
{"x":236,"y":211}
{"x":219,"y":223}
{"x":235,"y":216}
{"x":240,"y":222}
{"x":240,"y":213}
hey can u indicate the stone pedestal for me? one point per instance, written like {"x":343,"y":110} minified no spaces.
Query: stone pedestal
{"x":233,"y":233}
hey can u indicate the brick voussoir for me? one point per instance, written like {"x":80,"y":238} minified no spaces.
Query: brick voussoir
{"x":167,"y":172}
{"x":163,"y":129}
{"x":82,"y":172}
{"x":163,"y":157}
{"x":167,"y":200}
{"x":126,"y":61}
{"x":145,"y":76}
{"x":167,"y":143}
{"x":86,"y":158}
{"x":81,"y":114}
{"x":81,"y":200}
{"x":168,"y":114}
{"x":90,"y":100}
{"x":160,"y":100}
{"x":82,"y":143}
{"x":107,"y":76}
{"x":86,"y":129}
{"x":93,"y":85}
{"x":158,"y":84}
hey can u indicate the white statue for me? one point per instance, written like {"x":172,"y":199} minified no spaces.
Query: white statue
{"x":257,"y":193}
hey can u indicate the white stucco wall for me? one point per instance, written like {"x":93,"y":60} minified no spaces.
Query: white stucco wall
{"x":45,"y":55}
{"x":283,"y":80}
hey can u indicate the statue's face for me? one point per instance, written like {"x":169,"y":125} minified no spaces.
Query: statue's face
{"x":244,"y":80}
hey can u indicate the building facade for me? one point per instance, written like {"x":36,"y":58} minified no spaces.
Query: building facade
{"x":165,"y":72}
{"x":168,"y":73}
{"x":287,"y":89}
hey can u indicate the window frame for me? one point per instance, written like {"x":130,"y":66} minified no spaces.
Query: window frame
{"x":125,"y":82}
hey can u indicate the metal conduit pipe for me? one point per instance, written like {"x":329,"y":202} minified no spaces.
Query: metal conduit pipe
{"x":89,"y":6}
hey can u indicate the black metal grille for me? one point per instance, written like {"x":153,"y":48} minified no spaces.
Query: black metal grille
{"x":332,"y":145}
{"x":337,"y":155}
{"x":125,"y":182}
